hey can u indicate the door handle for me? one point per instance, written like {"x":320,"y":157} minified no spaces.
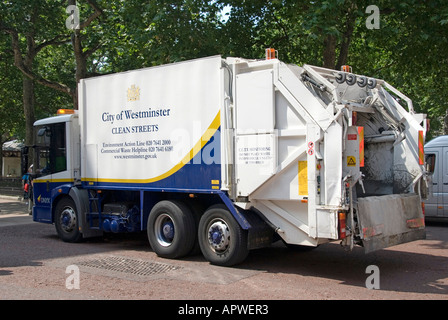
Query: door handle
{"x":48,"y":186}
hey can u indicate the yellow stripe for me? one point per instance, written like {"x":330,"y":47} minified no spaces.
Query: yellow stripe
{"x":187,"y":158}
{"x":51,"y":180}
{"x":303,"y":178}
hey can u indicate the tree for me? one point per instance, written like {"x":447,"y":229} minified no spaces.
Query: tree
{"x":408,"y":50}
{"x":304,"y":31}
{"x":11,"y":121}
{"x":157,"y":32}
{"x":82,"y":53}
{"x":30,"y":31}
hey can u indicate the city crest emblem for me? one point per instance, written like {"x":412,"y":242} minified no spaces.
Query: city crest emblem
{"x":133,"y":93}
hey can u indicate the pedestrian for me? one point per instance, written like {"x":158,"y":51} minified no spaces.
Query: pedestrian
{"x":26,"y":183}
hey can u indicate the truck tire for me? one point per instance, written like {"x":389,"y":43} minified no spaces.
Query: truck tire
{"x":66,"y":220}
{"x":222,"y":240}
{"x":171,"y":229}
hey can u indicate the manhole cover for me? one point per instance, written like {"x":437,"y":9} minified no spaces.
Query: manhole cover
{"x":129,"y":266}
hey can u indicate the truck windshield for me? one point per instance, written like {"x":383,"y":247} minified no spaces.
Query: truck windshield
{"x":50,"y":149}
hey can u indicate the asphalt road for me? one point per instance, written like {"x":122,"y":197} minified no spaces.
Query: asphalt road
{"x":36,"y":265}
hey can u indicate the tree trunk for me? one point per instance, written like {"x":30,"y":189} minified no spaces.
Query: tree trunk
{"x":347,"y":36}
{"x":81,"y":55}
{"x":445,"y":123}
{"x":329,"y":53}
{"x":28,"y":90}
{"x":81,"y":63}
{"x":345,"y":44}
{"x":28,"y":109}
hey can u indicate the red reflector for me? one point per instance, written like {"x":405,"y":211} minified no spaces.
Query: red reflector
{"x":361,"y":146}
{"x":342,"y":226}
{"x":415,"y":223}
{"x":375,"y":230}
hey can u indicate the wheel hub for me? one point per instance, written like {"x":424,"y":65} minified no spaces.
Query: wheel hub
{"x":168,"y":230}
{"x":68,"y":219}
{"x":219,"y":236}
{"x":164,"y":230}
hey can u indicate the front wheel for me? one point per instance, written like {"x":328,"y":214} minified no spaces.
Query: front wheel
{"x":66,"y":221}
{"x":221,"y":239}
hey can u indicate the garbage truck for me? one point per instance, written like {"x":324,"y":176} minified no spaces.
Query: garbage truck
{"x":220,"y":156}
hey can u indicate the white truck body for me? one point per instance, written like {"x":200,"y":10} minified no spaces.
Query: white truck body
{"x":312,"y":154}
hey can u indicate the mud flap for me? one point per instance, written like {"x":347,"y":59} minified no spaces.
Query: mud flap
{"x":390,"y":220}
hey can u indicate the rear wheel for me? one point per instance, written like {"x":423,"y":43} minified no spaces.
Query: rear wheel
{"x":223,"y":242}
{"x":66,"y":221}
{"x":171,"y":229}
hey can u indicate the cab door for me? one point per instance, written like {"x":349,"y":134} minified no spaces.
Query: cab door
{"x":444,"y":177}
{"x":433,"y":205}
{"x":49,"y":159}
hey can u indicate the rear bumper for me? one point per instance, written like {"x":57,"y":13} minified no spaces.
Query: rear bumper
{"x":378,"y":243}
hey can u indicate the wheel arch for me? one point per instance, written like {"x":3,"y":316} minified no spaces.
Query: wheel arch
{"x":237,"y":214}
{"x":81,"y":199}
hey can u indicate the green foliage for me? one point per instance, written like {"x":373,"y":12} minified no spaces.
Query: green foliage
{"x":11,"y":119}
{"x":409,"y":50}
